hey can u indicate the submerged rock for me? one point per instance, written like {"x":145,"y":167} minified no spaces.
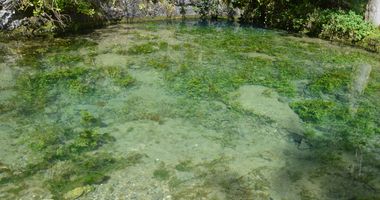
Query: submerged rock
{"x":358,"y":85}
{"x":110,"y":59}
{"x":259,"y":55}
{"x":7,"y":79}
{"x":264,"y":101}
{"x":4,"y":168}
{"x":77,"y":192}
{"x":361,"y":78}
{"x":5,"y":171}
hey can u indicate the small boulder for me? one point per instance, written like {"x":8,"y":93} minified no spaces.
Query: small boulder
{"x":265,"y":101}
{"x":77,"y":192}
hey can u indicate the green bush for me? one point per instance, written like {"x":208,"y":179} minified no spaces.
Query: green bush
{"x":45,"y":16}
{"x":336,"y":25}
{"x":371,"y":42}
{"x":347,"y":27}
{"x":341,"y":21}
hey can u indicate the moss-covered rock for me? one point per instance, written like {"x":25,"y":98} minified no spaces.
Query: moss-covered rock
{"x":77,"y":192}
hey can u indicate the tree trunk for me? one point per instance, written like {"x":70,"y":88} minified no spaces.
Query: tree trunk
{"x":373,"y":12}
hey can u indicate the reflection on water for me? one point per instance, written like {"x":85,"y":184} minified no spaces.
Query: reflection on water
{"x":187,"y":111}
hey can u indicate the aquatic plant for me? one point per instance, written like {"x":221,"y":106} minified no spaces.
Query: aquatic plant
{"x":70,"y":158}
{"x":46,"y":139}
{"x":331,"y":81}
{"x":161,"y":173}
{"x":184,"y":166}
{"x":83,"y":170}
{"x":147,"y":48}
{"x":80,"y":87}
{"x":3,"y":53}
{"x":88,"y":120}
{"x":198,"y":83}
{"x":312,"y":110}
{"x":120,"y":76}
{"x":64,"y":59}
{"x":86,"y":140}
{"x":161,"y":62}
{"x":35,"y":91}
{"x":214,"y":175}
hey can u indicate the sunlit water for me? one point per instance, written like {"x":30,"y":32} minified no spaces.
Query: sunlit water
{"x":185,"y":111}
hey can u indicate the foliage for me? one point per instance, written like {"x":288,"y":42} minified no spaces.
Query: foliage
{"x":206,"y":8}
{"x":334,"y":20}
{"x":371,"y":42}
{"x":346,"y":27}
{"x":56,"y":15}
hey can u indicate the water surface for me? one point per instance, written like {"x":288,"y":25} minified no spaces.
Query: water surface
{"x":162,"y":110}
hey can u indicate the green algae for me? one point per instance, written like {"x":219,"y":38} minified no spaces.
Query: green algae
{"x":34,"y":90}
{"x":331,"y":81}
{"x":102,"y":104}
{"x":71,"y":159}
{"x":161,"y":173}
{"x":89,"y":120}
{"x":147,"y":48}
{"x":214,"y":180}
{"x":184,"y":166}
{"x":313,"y":110}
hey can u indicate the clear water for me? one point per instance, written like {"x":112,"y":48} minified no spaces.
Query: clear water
{"x":162,"y":110}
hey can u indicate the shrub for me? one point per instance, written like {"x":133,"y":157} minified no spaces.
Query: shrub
{"x":336,"y":25}
{"x":211,"y":8}
{"x":347,"y":27}
{"x":371,"y":42}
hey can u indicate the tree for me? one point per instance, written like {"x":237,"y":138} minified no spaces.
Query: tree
{"x":373,"y":12}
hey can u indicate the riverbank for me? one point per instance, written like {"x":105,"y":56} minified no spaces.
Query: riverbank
{"x":338,"y":23}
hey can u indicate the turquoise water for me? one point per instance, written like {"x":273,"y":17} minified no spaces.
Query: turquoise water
{"x":160,"y":110}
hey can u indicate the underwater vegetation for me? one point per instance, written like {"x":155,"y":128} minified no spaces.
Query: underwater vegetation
{"x":147,"y":48}
{"x":161,"y":62}
{"x":213,"y":179}
{"x":312,"y":110}
{"x":331,"y":81}
{"x":3,"y":53}
{"x":72,"y":158}
{"x":69,"y":110}
{"x":35,"y":91}
{"x":56,"y":52}
{"x":161,"y":173}
{"x":120,"y":76}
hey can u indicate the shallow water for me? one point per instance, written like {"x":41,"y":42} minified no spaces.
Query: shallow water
{"x":161,"y":110}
